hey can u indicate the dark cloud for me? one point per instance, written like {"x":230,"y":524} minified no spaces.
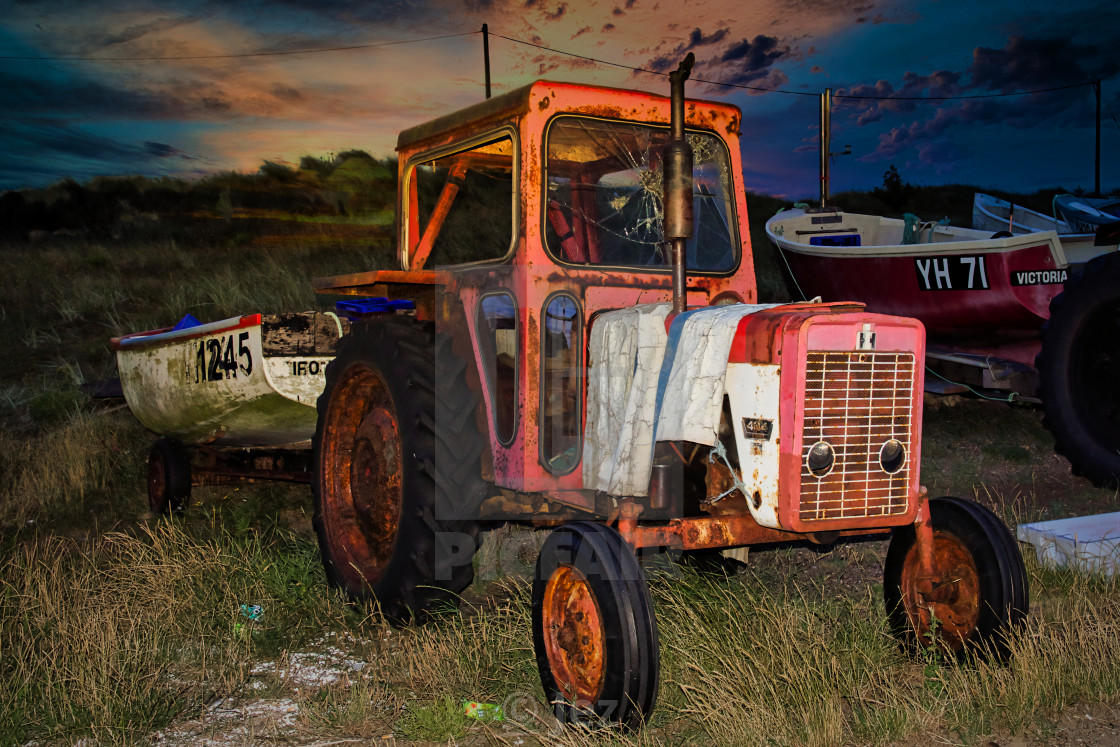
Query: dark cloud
{"x":1023,"y":64}
{"x":216,"y":103}
{"x":52,"y":92}
{"x":751,"y":62}
{"x":286,"y":92}
{"x":608,"y":27}
{"x":869,"y":103}
{"x":39,"y":152}
{"x":617,"y":11}
{"x":696,"y":40}
{"x":160,"y":150}
{"x":138,"y":31}
{"x":163,"y":150}
{"x":547,"y":65}
{"x":1031,"y":63}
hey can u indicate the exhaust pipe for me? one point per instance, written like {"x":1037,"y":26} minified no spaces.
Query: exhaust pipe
{"x":677,"y":162}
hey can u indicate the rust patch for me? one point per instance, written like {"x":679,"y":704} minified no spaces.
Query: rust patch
{"x":362,"y":490}
{"x":302,"y":333}
{"x":951,"y":594}
{"x":715,"y":531}
{"x":575,"y":639}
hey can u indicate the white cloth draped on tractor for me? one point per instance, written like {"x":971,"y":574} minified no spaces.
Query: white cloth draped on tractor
{"x":646,"y":385}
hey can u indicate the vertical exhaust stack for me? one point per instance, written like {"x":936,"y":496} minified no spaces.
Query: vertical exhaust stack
{"x":678,"y":182}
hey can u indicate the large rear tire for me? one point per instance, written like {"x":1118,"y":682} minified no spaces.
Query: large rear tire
{"x":397,"y":481}
{"x":1079,"y":370}
{"x":594,"y":629}
{"x":979,"y":592}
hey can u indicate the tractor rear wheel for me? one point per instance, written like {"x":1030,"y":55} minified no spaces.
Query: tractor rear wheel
{"x":978,"y":594}
{"x":397,"y":480}
{"x":1079,"y":367}
{"x":594,"y":630}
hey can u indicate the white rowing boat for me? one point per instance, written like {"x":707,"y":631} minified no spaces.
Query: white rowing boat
{"x":249,"y":381}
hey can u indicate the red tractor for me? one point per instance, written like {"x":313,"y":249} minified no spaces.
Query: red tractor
{"x":574,"y":341}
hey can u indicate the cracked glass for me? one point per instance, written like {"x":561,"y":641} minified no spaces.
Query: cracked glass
{"x":604,"y":203}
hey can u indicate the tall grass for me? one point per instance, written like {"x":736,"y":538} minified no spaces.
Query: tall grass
{"x":113,"y":639}
{"x":114,"y":625}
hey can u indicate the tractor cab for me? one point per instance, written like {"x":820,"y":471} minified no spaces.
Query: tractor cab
{"x":523,"y":217}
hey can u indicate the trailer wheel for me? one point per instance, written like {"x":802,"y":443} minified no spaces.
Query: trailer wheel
{"x":1079,"y":367}
{"x":397,"y":481}
{"x":169,"y":476}
{"x":979,"y":590}
{"x":594,"y":630}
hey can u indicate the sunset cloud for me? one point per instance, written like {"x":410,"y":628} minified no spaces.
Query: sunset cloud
{"x":72,"y":118}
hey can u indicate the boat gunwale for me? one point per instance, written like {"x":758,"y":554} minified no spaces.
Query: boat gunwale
{"x":965,"y":246}
{"x":157,"y":337}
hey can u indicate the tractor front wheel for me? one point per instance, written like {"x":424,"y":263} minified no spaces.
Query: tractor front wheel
{"x":978,"y":590}
{"x":594,"y":630}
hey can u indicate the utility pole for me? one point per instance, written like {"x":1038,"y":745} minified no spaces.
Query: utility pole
{"x":486,"y":55}
{"x":1097,"y":163}
{"x":826,"y":138}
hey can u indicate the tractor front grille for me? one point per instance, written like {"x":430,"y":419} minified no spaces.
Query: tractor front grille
{"x":856,"y":402}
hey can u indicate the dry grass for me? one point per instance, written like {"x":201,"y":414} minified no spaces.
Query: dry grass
{"x":65,"y":469}
{"x":115,"y":626}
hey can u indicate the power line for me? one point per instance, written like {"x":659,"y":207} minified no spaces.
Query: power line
{"x":794,"y":93}
{"x":528,"y":44}
{"x":651,"y":72}
{"x":236,"y":56}
{"x":953,"y":98}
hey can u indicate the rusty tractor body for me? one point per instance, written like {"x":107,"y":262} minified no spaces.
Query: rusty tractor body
{"x":544,"y":375}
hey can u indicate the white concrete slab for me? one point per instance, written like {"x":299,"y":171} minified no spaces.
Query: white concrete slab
{"x":1088,"y":543}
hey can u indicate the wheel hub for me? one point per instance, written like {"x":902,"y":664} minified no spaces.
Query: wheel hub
{"x":364,"y":472}
{"x":574,"y":636}
{"x":949,"y":601}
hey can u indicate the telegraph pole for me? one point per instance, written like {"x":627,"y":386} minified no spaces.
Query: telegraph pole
{"x":1097,"y":179}
{"x":486,"y":56}
{"x":826,"y":138}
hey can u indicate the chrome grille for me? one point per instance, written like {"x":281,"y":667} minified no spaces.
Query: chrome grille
{"x":856,"y":402}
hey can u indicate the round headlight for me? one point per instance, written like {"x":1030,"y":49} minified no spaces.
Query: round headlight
{"x":892,"y":456}
{"x":820,"y":459}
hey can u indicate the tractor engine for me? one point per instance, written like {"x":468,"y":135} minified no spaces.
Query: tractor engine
{"x":826,"y":413}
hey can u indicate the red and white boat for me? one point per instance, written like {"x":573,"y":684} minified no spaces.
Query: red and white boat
{"x":963,"y":284}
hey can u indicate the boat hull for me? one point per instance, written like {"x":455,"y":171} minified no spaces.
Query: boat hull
{"x":961,"y":286}
{"x":248,"y":381}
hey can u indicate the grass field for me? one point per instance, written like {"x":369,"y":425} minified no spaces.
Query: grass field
{"x":118,"y":627}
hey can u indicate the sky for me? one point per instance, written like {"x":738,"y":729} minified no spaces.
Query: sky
{"x":191,"y":87}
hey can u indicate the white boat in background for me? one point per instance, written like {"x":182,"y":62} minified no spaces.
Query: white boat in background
{"x":248,"y":381}
{"x":1087,"y":214}
{"x":990,"y":213}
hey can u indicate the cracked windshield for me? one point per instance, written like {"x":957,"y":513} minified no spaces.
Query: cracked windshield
{"x":605,"y":196}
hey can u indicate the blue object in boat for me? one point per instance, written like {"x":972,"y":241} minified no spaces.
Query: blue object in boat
{"x":848,"y":240}
{"x":360,"y":307}
{"x":187,"y":322}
